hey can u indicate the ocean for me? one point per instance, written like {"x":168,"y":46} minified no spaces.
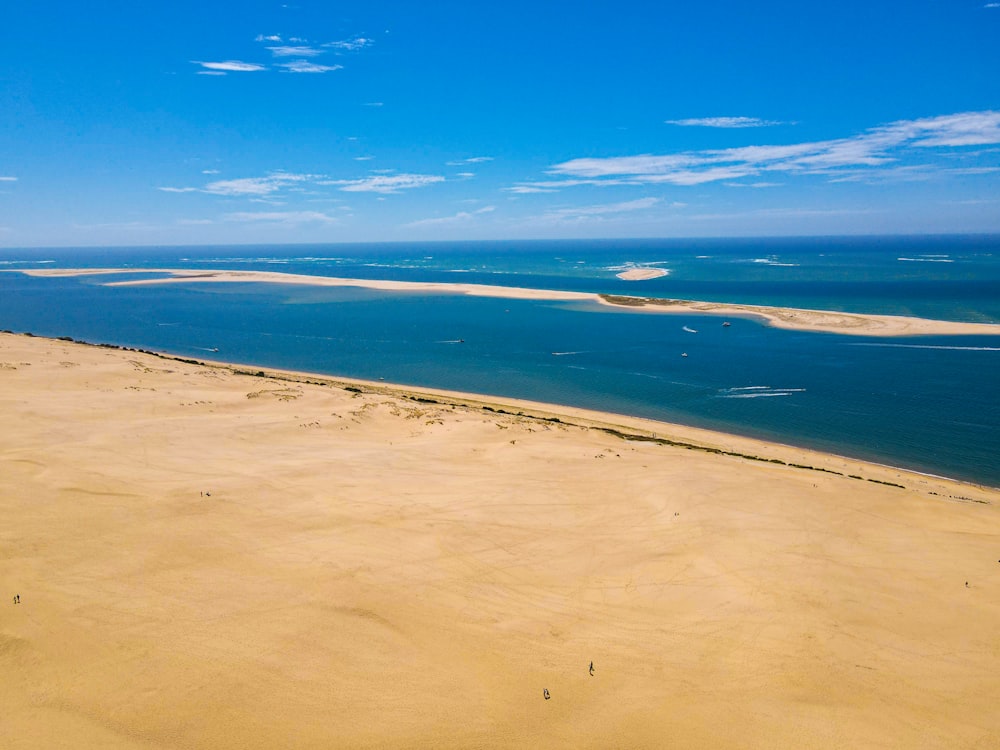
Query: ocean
{"x":925,"y":403}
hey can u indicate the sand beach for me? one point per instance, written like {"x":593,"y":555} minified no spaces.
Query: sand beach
{"x":213,"y":556}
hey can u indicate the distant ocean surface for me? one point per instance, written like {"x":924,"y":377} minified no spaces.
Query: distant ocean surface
{"x":925,"y":403}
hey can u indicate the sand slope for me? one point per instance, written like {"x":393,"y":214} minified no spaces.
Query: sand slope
{"x":376,"y":571}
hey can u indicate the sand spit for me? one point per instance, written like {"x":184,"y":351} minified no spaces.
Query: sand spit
{"x":780,"y":317}
{"x":211,"y":556}
{"x":275,"y":277}
{"x":798,"y":319}
{"x":642,"y":274}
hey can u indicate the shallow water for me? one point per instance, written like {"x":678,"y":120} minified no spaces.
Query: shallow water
{"x":927,"y":403}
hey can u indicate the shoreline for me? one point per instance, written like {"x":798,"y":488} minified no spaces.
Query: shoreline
{"x":798,"y":319}
{"x":623,"y":426}
{"x":205,"y":554}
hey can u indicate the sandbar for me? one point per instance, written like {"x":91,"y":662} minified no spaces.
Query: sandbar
{"x":215,"y":556}
{"x":642,"y":274}
{"x":799,"y":319}
{"x":855,"y":324}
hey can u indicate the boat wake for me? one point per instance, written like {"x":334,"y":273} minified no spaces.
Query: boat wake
{"x":757,"y":391}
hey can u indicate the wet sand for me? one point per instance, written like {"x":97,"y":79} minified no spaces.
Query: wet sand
{"x":854,"y":324}
{"x":208,"y":558}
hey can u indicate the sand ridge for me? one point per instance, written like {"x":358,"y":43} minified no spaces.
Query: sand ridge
{"x":209,"y":557}
{"x":855,"y":324}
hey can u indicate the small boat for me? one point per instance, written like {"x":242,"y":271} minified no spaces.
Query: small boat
{"x":726,"y":324}
{"x":684,"y":354}
{"x":690,"y":330}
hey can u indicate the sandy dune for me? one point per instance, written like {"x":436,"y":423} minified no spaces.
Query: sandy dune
{"x":827,"y":321}
{"x":377,"y":568}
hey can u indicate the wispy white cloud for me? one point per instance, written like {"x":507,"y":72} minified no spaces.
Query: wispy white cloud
{"x":373,"y":104}
{"x":230,"y":66}
{"x":246,"y":186}
{"x":281,"y":217}
{"x":784,"y":213}
{"x":128,"y":226}
{"x":992,"y":5}
{"x":592,"y":213}
{"x":724,"y":122}
{"x":210,"y":171}
{"x":8,"y":179}
{"x":304,"y":66}
{"x":382,"y":183}
{"x":295,"y":51}
{"x":351,"y":45}
{"x":282,"y":48}
{"x":875,"y":148}
{"x":470,"y":160}
{"x":462,"y":217}
{"x":528,"y":189}
{"x":974,"y":170}
{"x":256,"y":185}
{"x":754,"y":184}
{"x":639,"y":204}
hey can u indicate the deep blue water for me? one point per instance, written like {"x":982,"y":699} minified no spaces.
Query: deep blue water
{"x":928,"y":403}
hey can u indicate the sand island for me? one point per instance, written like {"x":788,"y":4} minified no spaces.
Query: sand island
{"x":216,"y":556}
{"x":642,"y":273}
{"x":856,"y":324}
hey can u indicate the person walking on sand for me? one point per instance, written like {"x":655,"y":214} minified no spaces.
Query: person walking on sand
{"x":17,"y":598}
{"x":545,"y":692}
{"x":591,"y":669}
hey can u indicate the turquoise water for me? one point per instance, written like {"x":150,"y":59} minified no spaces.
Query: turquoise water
{"x":927,"y":403}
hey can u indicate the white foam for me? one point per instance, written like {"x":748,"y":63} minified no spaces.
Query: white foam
{"x":762,"y":394}
{"x":772,"y":262}
{"x":757,"y":391}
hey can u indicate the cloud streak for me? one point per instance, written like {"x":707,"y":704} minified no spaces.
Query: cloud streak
{"x":593,"y":213}
{"x":246,"y":186}
{"x":876,"y":147}
{"x":304,"y":66}
{"x":351,"y":45}
{"x":462,"y":217}
{"x":385,"y":184}
{"x":724,"y":122}
{"x":281,"y":49}
{"x":265,"y":189}
{"x":230,"y":66}
{"x":295,"y":51}
{"x":280,"y":217}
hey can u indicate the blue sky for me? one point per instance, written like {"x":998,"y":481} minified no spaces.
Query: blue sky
{"x":128,"y":123}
